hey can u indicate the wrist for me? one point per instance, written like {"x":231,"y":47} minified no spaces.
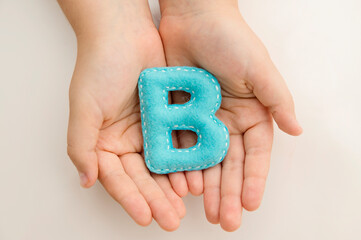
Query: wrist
{"x":184,"y":7}
{"x":103,"y":18}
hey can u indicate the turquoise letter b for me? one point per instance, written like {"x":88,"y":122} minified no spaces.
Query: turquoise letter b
{"x":159,"y":119}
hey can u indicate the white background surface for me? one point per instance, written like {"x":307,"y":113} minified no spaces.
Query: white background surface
{"x":314,"y":186}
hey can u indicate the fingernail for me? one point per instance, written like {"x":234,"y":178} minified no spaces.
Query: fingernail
{"x":83,"y":179}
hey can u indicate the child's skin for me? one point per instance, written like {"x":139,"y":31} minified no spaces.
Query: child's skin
{"x":116,"y":41}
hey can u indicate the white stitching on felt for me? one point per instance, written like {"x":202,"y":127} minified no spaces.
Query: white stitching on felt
{"x":181,"y":127}
{"x":187,"y":104}
{"x":193,"y":149}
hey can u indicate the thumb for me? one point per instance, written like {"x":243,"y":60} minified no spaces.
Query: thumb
{"x":271,"y":90}
{"x":83,"y":131}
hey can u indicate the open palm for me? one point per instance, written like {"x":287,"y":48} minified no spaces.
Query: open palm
{"x":104,"y":136}
{"x":253,"y":91}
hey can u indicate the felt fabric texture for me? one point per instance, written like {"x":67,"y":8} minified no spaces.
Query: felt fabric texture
{"x":159,"y":119}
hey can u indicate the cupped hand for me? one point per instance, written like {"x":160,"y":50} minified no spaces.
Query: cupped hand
{"x":104,"y":135}
{"x":215,"y":37}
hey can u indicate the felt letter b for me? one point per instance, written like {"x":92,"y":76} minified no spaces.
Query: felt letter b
{"x":159,"y":119}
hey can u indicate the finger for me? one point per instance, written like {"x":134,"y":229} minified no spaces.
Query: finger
{"x":258,"y":145}
{"x":162,"y":210}
{"x":173,"y":198}
{"x":231,"y":185}
{"x":271,"y":89}
{"x":179,"y":183}
{"x":212,"y":193}
{"x":121,"y":187}
{"x":83,"y":130}
{"x":195,"y":182}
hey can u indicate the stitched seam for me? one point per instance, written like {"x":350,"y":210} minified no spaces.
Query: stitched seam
{"x":185,"y":105}
{"x":184,"y":127}
{"x":216,"y":120}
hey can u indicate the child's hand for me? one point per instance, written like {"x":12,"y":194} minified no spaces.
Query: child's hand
{"x":104,"y":135}
{"x":213,"y":35}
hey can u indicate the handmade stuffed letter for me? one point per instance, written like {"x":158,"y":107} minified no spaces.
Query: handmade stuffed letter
{"x":159,"y":119}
